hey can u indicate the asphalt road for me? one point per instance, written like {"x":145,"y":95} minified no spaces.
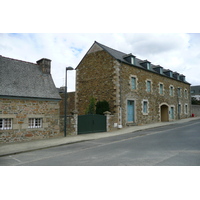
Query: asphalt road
{"x":174,"y":145}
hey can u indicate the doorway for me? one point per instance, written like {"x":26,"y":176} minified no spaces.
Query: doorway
{"x":130,"y":111}
{"x":164,"y":113}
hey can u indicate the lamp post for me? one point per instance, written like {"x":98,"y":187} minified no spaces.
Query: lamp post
{"x":65,"y":120}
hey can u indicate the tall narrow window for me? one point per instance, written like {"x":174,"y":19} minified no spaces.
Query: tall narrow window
{"x":186,"y":109}
{"x":171,"y":91}
{"x":5,"y":124}
{"x":148,"y":65}
{"x":145,"y":107}
{"x":186,"y":94}
{"x":132,"y":60}
{"x":172,"y":113}
{"x":133,"y":83}
{"x":148,"y":86}
{"x":161,"y":88}
{"x":179,"y":92}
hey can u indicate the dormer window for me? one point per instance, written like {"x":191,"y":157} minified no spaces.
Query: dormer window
{"x":169,"y":73}
{"x":176,"y":75}
{"x":159,"y":69}
{"x":146,"y":64}
{"x":130,"y":58}
{"x":182,"y":78}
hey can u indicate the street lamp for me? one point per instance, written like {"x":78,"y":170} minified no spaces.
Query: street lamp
{"x":65,"y":120}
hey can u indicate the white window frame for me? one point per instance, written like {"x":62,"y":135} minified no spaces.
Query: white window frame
{"x":186,"y":93}
{"x":147,"y":107}
{"x":179,"y":92}
{"x":171,"y":113}
{"x":186,"y":109}
{"x":148,"y":81}
{"x":6,"y":124}
{"x":162,"y":89}
{"x":136,"y":80}
{"x":35,"y":123}
{"x":171,"y":90}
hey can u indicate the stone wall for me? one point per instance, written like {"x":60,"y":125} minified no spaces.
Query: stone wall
{"x":154,"y":98}
{"x":195,"y":109}
{"x":95,"y":78}
{"x":101,"y":76}
{"x":20,"y":110}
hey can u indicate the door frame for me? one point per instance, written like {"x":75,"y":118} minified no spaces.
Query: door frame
{"x":130,"y":99}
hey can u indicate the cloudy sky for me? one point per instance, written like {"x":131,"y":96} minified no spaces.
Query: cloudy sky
{"x":176,"y":51}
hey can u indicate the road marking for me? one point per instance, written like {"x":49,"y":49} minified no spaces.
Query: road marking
{"x":100,"y":145}
{"x":15,"y":159}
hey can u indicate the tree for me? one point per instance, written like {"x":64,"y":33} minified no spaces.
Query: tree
{"x":102,"y":106}
{"x":195,"y":101}
{"x":91,"y":107}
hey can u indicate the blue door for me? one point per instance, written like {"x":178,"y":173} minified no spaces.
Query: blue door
{"x":131,"y":111}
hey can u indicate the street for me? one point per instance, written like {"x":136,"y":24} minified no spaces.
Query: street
{"x":172,"y":145}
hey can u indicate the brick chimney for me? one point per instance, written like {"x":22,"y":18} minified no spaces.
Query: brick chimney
{"x":45,"y":65}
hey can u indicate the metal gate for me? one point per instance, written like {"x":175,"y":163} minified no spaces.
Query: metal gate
{"x":91,"y":124}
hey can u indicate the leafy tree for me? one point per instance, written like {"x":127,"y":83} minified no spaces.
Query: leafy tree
{"x":195,"y":101}
{"x":102,"y":106}
{"x":91,"y":107}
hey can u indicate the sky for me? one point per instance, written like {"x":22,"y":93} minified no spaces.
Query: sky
{"x":164,"y":32}
{"x":176,"y":51}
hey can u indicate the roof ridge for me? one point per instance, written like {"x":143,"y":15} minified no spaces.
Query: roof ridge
{"x":19,"y":60}
{"x":102,"y":45}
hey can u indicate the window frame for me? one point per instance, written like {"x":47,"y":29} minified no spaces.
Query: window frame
{"x":7,"y":124}
{"x":149,"y":89}
{"x":145,"y":107}
{"x":35,"y":123}
{"x":161,"y":93}
{"x":135,"y":82}
{"x":171,"y":90}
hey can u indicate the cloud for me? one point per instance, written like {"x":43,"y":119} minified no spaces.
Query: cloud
{"x":178,"y":52}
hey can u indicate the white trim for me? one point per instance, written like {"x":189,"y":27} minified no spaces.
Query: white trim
{"x":6,"y":124}
{"x":149,"y":80}
{"x":145,"y":113}
{"x":171,"y":86}
{"x":136,"y":82}
{"x":163,"y":90}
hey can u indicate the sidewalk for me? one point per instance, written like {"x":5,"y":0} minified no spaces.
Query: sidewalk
{"x":14,"y":148}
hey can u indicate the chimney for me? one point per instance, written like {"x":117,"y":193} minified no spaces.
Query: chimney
{"x":45,"y":65}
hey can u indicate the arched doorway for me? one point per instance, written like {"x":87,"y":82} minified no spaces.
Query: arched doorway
{"x":164,"y":113}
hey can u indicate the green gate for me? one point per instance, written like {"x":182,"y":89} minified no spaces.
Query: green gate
{"x":91,"y":124}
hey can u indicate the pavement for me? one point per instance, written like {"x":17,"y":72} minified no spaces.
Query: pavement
{"x":15,"y":148}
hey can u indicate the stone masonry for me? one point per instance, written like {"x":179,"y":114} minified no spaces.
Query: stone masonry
{"x":20,"y":110}
{"x":103,"y":77}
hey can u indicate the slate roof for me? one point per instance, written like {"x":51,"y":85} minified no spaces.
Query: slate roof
{"x":118,"y":55}
{"x":23,"y":79}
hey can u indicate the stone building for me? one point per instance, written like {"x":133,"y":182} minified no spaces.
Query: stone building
{"x":29,"y":101}
{"x":138,"y":91}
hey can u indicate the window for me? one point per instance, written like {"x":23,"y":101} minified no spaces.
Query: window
{"x":171,"y":91}
{"x":148,"y":86}
{"x":161,"y":88}
{"x":186,"y":94}
{"x":186,"y":109}
{"x":132,"y":60}
{"x":145,"y":107}
{"x":5,"y":124}
{"x":133,"y":83}
{"x":179,"y":92}
{"x":35,"y":123}
{"x":148,"y":65}
{"x":171,"y":112}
